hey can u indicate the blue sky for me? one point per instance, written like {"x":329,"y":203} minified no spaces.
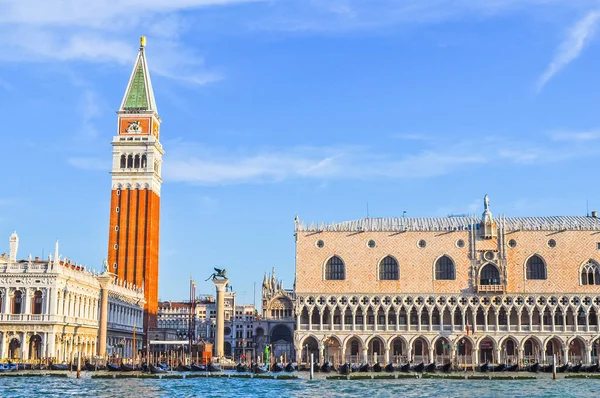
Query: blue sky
{"x":283,"y":107}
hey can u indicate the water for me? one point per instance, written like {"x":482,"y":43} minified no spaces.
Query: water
{"x":217,"y":387}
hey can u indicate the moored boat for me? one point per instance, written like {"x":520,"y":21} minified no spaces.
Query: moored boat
{"x":344,"y":369}
{"x":184,"y":368}
{"x":58,"y":366}
{"x":259,"y":369}
{"x":575,"y":368}
{"x":533,"y":367}
{"x":498,"y":368}
{"x":241,"y":368}
{"x":562,"y":368}
{"x":390,"y":367}
{"x":430,"y":367}
{"x":377,"y":367}
{"x":198,"y":368}
{"x":512,"y":368}
{"x":354,"y":368}
{"x":590,"y":369}
{"x":156,"y":369}
{"x":484,"y":367}
{"x":126,"y":367}
{"x":419,"y":367}
{"x":290,"y":367}
{"x":111,"y":367}
{"x":405,"y":367}
{"x":364,"y":368}
{"x":446,"y":367}
{"x":327,"y":367}
{"x":214,"y":368}
{"x":277,"y":368}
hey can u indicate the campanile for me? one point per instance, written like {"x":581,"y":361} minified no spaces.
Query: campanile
{"x":133,"y":236}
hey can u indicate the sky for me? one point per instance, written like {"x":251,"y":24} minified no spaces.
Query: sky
{"x":328,"y":109}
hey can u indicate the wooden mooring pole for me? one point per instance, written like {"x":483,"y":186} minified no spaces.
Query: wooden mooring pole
{"x":554,"y":366}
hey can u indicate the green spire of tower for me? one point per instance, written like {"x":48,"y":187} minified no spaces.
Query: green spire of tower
{"x":139,"y":95}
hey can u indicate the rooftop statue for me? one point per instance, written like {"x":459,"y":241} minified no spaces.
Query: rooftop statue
{"x":218,"y":274}
{"x":486,"y":202}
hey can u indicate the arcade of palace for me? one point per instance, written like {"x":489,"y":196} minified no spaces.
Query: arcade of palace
{"x":438,"y":289}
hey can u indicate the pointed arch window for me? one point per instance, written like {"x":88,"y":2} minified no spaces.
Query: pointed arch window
{"x":130,"y":161}
{"x":536,"y":268}
{"x":590,"y":273}
{"x":335,"y":269}
{"x":123,"y":161}
{"x":136,"y":162}
{"x":445,"y":269}
{"x":489,"y":275}
{"x":37,"y":303}
{"x":388,"y":269}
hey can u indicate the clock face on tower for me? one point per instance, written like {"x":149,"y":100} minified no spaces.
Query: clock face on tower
{"x":134,"y":127}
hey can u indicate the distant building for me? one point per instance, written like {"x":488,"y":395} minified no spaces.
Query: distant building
{"x":276,"y":325}
{"x":52,"y":309}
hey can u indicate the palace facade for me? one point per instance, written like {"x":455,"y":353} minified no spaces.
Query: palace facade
{"x":470,"y":289}
{"x":54,"y":309}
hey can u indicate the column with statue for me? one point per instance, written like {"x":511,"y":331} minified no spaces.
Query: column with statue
{"x":219,"y":278}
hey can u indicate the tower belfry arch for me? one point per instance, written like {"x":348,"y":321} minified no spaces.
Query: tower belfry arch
{"x":133,"y":239}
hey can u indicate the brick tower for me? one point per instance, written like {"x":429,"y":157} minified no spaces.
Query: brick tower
{"x":135,"y":199}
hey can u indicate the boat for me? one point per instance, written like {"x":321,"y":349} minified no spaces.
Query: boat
{"x":354,"y":368}
{"x":377,"y":367}
{"x":430,"y":367}
{"x":419,"y":367}
{"x":7,"y":367}
{"x":214,"y":368}
{"x":390,"y":367}
{"x":484,"y":367}
{"x":316,"y":367}
{"x":575,"y":368}
{"x":126,"y":367}
{"x":404,"y":368}
{"x":241,"y":368}
{"x":198,"y":368}
{"x":498,"y":368}
{"x":184,"y":368}
{"x":590,"y":369}
{"x":533,"y":367}
{"x":344,"y":369}
{"x":290,"y":367}
{"x":276,"y":368}
{"x":259,"y":369}
{"x":327,"y":368}
{"x":57,"y":366}
{"x":111,"y":367}
{"x":156,"y":369}
{"x":446,"y":367}
{"x":512,"y":368}
{"x":364,"y":368}
{"x":562,"y":368}
{"x":546,"y":368}
{"x":89,"y":367}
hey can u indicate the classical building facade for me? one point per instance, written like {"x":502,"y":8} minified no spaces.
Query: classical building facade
{"x":470,"y":289}
{"x":133,"y":239}
{"x":53,"y":309}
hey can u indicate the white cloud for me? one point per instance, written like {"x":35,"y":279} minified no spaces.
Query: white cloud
{"x":576,"y":136}
{"x":572,"y":45}
{"x":101,"y":31}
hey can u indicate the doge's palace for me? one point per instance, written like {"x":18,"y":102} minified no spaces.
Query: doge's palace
{"x":465,"y":289}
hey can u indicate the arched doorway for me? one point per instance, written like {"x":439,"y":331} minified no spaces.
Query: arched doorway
{"x":555,"y":346}
{"x":442,"y":351}
{"x":332,"y":350}
{"x":464,"y":352}
{"x":486,"y":350}
{"x":509,"y":351}
{"x":14,"y":349}
{"x":398,"y":351}
{"x":420,"y":351}
{"x":376,"y":350}
{"x":531,"y":350}
{"x":35,"y":347}
{"x":354,"y":350}
{"x":282,"y":341}
{"x":310,"y":346}
{"x":577,"y":351}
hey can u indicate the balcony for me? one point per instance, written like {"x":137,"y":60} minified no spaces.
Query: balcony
{"x":491,"y":288}
{"x":29,"y":318}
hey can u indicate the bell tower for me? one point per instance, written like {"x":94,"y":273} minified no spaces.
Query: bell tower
{"x":133,"y":237}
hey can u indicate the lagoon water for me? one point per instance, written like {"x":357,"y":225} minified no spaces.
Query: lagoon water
{"x":221,"y":387}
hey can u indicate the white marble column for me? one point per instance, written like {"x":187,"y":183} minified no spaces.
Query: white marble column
{"x":220,"y":285}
